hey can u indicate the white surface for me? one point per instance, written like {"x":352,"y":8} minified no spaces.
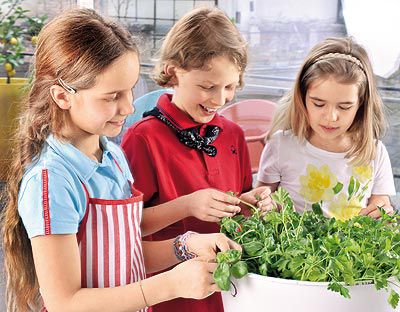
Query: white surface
{"x":375,"y":25}
{"x":261,"y":293}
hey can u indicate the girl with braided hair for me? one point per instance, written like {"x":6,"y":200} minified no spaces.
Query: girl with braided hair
{"x":71,"y":226}
{"x":324,"y":146}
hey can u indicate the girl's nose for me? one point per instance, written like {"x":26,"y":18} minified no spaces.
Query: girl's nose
{"x":331,"y":114}
{"x":126,"y":105}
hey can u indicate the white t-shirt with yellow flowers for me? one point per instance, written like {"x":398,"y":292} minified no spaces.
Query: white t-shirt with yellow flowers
{"x":313,"y":176}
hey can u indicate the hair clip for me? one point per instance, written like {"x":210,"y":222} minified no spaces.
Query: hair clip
{"x":66,"y":87}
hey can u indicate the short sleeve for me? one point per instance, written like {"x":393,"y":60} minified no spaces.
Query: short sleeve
{"x":383,"y":183}
{"x":269,"y":170}
{"x":141,"y":163}
{"x":49,"y":204}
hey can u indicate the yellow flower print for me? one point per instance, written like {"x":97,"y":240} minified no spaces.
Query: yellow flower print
{"x":362,"y":173}
{"x":317,"y":185}
{"x":342,"y":209}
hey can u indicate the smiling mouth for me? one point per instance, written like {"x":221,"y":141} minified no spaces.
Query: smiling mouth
{"x":117,"y":123}
{"x":208,"y":110}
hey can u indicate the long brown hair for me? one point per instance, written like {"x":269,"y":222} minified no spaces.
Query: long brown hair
{"x":197,"y":37}
{"x":347,"y":63}
{"x":76,"y":46}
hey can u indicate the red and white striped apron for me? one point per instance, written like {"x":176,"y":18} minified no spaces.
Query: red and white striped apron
{"x":110,"y":241}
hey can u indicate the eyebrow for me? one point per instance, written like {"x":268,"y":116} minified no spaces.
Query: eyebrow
{"x":213,"y":83}
{"x":116,"y":91}
{"x":321,"y":100}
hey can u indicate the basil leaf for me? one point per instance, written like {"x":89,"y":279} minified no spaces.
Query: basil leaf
{"x":222,"y":277}
{"x":239,"y":269}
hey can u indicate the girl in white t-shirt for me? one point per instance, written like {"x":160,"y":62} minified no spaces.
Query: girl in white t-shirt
{"x":324,"y":146}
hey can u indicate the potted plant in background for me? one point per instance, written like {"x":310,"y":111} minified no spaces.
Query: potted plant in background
{"x":18,"y":36}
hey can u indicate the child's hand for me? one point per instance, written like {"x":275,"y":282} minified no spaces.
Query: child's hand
{"x":259,"y":197}
{"x":193,"y":278}
{"x":211,"y":205}
{"x":373,"y":211}
{"x":207,"y":245}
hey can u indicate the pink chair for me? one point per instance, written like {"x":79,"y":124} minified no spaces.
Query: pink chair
{"x":255,"y":118}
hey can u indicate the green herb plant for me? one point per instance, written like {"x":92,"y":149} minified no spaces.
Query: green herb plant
{"x":311,"y":247}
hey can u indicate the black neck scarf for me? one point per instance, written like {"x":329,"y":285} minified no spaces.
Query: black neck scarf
{"x":190,"y":137}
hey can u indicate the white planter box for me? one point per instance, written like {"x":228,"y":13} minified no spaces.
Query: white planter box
{"x":262,"y":293}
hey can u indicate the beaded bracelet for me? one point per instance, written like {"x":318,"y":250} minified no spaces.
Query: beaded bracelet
{"x":181,"y":249}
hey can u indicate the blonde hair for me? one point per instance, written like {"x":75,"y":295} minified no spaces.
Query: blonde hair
{"x":347,"y":62}
{"x":76,"y":46}
{"x":199,"y":36}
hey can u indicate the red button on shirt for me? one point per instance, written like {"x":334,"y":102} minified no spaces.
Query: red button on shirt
{"x":164,"y":169}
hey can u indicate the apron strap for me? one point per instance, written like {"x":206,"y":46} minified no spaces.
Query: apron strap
{"x":129,"y":181}
{"x":86,"y":192}
{"x":116,"y":162}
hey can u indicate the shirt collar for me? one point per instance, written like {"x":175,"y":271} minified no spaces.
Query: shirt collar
{"x":83,"y":165}
{"x":180,"y":119}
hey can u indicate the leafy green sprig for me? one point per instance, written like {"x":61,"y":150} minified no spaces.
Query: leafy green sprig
{"x":254,"y":210}
{"x":229,"y":264}
{"x":311,"y":247}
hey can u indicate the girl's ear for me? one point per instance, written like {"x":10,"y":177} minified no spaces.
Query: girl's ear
{"x":61,"y":97}
{"x":170,"y":70}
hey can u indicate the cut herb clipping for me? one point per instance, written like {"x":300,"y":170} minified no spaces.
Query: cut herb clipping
{"x":229,"y":263}
{"x":311,"y":247}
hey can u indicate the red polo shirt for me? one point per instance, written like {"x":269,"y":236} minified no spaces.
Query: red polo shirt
{"x":164,"y":169}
